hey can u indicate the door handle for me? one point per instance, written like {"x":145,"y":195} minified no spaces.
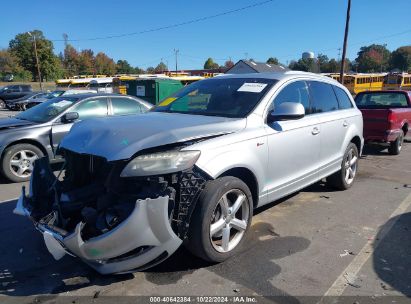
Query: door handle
{"x":345,"y":124}
{"x":315,"y":131}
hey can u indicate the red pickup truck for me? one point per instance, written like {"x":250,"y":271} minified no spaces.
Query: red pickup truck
{"x":387,"y":117}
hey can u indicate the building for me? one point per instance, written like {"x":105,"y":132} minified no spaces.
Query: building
{"x":247,"y":66}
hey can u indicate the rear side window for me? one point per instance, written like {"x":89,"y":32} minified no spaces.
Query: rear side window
{"x":92,"y":108}
{"x":122,"y":106}
{"x":323,"y":98}
{"x":294,"y":92}
{"x":343,"y":99}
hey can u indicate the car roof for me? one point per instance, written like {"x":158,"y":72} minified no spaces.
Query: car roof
{"x":275,"y":75}
{"x":87,"y":95}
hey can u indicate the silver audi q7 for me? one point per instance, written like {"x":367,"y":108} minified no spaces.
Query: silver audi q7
{"x":193,"y":169}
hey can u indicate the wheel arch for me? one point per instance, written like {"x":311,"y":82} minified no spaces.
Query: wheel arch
{"x":248,"y":177}
{"x":405,"y":127}
{"x":25,"y":141}
{"x":357,"y":141}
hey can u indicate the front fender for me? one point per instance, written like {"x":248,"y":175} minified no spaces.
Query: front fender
{"x":251,"y":154}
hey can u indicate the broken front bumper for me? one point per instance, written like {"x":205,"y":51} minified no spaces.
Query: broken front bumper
{"x":142,"y":240}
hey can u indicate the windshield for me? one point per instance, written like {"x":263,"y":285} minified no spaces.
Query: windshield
{"x":226,"y":97}
{"x":48,"y":109}
{"x":381,"y":100}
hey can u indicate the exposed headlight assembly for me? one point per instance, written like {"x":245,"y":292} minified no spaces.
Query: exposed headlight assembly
{"x":160,"y":163}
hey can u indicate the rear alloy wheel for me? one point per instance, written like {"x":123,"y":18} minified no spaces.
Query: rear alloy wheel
{"x":396,"y":146}
{"x":221,"y":219}
{"x":2,"y":104}
{"x":18,"y":161}
{"x":344,"y":178}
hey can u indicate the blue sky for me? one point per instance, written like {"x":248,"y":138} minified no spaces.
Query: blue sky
{"x":282,"y":29}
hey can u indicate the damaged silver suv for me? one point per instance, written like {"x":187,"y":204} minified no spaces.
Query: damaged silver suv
{"x":193,"y":169}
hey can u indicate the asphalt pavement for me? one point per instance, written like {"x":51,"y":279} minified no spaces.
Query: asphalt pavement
{"x":318,"y":242}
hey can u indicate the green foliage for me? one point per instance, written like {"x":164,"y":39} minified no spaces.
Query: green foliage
{"x":104,"y":65}
{"x":401,"y":59}
{"x":161,"y":67}
{"x":150,"y":70}
{"x":272,"y":60}
{"x":22,"y":47}
{"x":123,"y":67}
{"x":373,"y":59}
{"x":210,"y":64}
{"x":305,"y":65}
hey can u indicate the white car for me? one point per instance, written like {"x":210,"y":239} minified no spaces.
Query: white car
{"x":193,"y":169}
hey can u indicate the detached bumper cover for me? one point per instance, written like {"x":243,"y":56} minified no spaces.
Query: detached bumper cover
{"x":142,"y":240}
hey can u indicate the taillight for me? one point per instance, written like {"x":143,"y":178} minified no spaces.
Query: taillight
{"x":390,"y":117}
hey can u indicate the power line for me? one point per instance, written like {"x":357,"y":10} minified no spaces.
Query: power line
{"x":175,"y":24}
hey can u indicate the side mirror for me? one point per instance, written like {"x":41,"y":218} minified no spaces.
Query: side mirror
{"x":286,"y":111}
{"x":69,"y":117}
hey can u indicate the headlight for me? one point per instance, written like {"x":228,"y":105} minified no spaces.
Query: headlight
{"x":160,"y":163}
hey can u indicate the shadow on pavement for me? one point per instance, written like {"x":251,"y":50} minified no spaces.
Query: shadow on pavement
{"x":392,"y":256}
{"x":27,"y":268}
{"x":375,"y":150}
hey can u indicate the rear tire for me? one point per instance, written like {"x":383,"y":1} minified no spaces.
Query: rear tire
{"x":396,"y":146}
{"x":18,"y":160}
{"x":219,"y":226}
{"x":2,"y":104}
{"x":344,"y":179}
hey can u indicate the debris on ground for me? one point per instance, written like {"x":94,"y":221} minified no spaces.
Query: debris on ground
{"x":351,"y":281}
{"x":236,"y":290}
{"x":346,"y":252}
{"x":324,"y":196}
{"x":96,"y":294}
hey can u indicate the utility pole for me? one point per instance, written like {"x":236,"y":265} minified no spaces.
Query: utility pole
{"x":347,"y":24}
{"x":37,"y":59}
{"x":382,"y":55}
{"x":176,"y":54}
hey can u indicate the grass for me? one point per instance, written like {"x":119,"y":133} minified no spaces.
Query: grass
{"x":35,"y":85}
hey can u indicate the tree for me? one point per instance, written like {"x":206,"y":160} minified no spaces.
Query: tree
{"x":71,"y":61}
{"x":228,"y":64}
{"x":373,"y":58}
{"x":401,"y":59}
{"x":161,"y":67}
{"x":86,"y":62}
{"x":323,"y":63}
{"x":210,"y":64}
{"x":306,"y":65}
{"x":22,"y":47}
{"x":272,"y":60}
{"x":104,"y":64}
{"x":9,"y":65}
{"x":150,"y":70}
{"x":123,"y":67}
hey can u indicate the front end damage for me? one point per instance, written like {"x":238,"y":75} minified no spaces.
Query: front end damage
{"x":113,"y":224}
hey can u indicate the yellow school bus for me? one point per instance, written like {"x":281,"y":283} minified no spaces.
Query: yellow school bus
{"x":397,"y":81}
{"x":356,"y":83}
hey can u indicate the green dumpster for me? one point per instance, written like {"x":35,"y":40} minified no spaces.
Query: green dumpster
{"x":153,"y":90}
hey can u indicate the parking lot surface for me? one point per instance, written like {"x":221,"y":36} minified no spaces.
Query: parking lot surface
{"x":314,"y":243}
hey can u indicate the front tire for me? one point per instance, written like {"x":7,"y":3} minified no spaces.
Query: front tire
{"x":18,"y":160}
{"x":221,"y":219}
{"x":344,"y":178}
{"x":396,"y":146}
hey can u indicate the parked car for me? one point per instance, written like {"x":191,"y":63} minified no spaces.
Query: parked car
{"x":38,"y":131}
{"x":56,"y":93}
{"x":387,"y":117}
{"x":13,"y":92}
{"x":20,"y":104}
{"x":193,"y":169}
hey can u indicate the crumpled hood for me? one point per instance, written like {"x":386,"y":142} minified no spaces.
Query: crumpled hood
{"x":11,"y":123}
{"x":120,"y":137}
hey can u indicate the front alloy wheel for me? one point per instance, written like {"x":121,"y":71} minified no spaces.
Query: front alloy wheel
{"x":221,"y":219}
{"x":229,"y":221}
{"x":350,"y":166}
